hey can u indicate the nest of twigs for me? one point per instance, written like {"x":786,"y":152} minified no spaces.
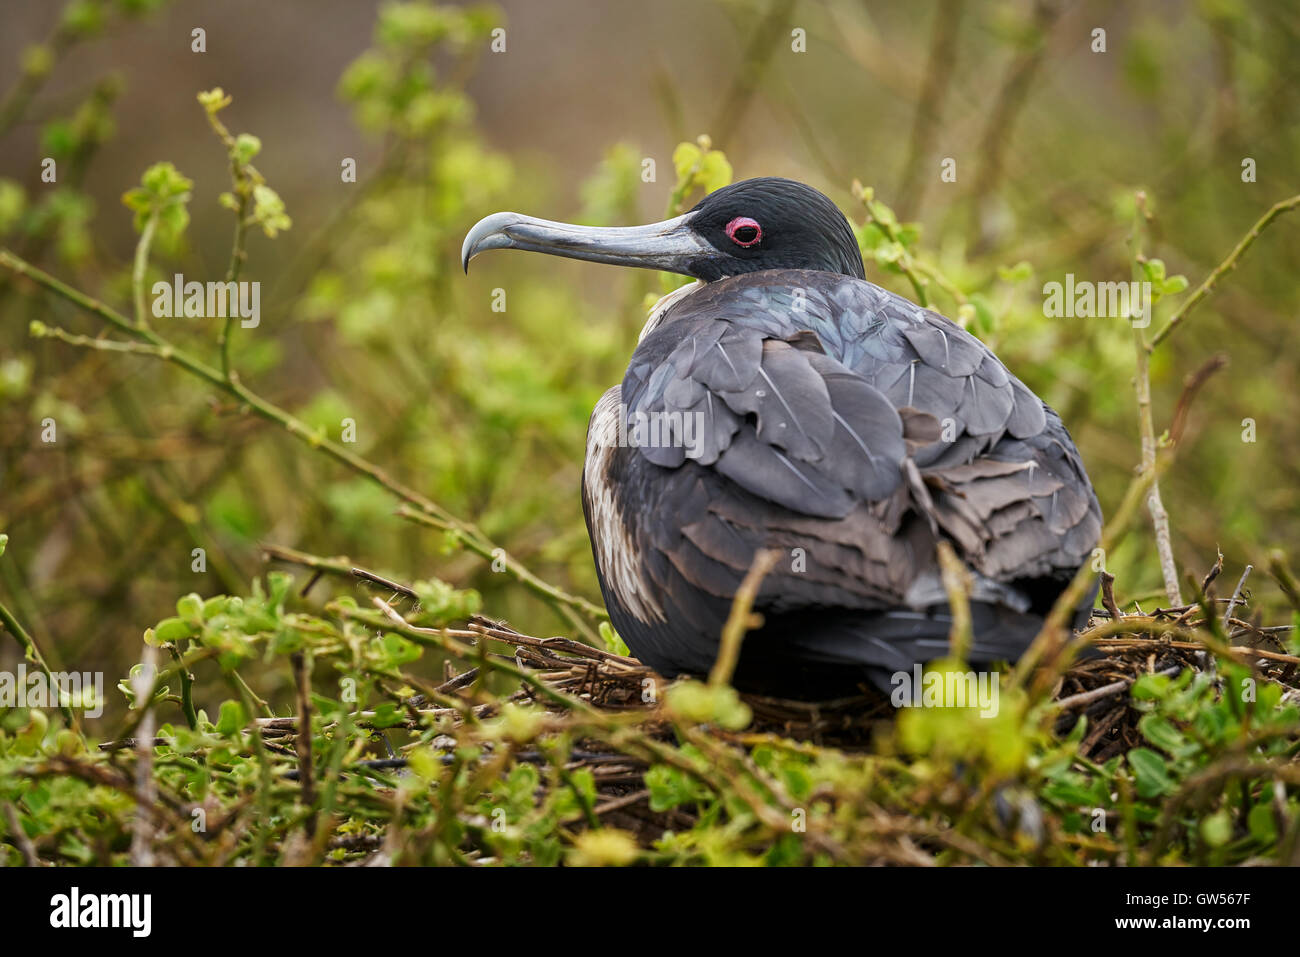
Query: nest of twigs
{"x":1165,"y":640}
{"x":1117,"y":649}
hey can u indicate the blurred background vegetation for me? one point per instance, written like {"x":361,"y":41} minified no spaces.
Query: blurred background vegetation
{"x":366,"y":316}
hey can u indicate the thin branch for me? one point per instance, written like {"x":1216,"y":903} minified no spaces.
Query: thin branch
{"x":339,"y":565}
{"x":1105,"y":691}
{"x":146,"y":791}
{"x":1146,"y":422}
{"x":419,"y":507}
{"x":1155,"y":505}
{"x":1232,"y":602}
{"x":140,"y":266}
{"x":21,"y":841}
{"x":40,"y":330}
{"x":1191,"y":385}
{"x":33,"y":654}
{"x":485,"y":549}
{"x":929,"y":109}
{"x":1013,"y":91}
{"x":763,"y":43}
{"x":957,"y":583}
{"x":1108,"y":595}
{"x":741,"y":618}
{"x":1221,"y":270}
{"x":302,"y":741}
{"x":243,"y":176}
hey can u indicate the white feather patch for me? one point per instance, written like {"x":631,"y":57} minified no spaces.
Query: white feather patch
{"x":615,"y":553}
{"x":663,"y":305}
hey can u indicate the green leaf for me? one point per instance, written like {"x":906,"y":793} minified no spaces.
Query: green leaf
{"x":1160,"y":731}
{"x":246,"y":147}
{"x":84,"y":17}
{"x":883,"y":214}
{"x":670,"y":787}
{"x":269,"y":212}
{"x":685,"y":158}
{"x":984,"y":319}
{"x":606,"y":847}
{"x":1217,"y":829}
{"x":232,"y":719}
{"x":613,"y":643}
{"x":889,"y":254}
{"x":1262,"y":824}
{"x":715,"y":171}
{"x":388,"y":715}
{"x":699,"y":703}
{"x":398,"y":650}
{"x":1020,"y":272}
{"x":1150,"y":772}
{"x":278,"y":584}
{"x":163,"y":193}
{"x":172,"y":630}
{"x":520,"y":724}
{"x":425,"y":763}
{"x":190,"y":608}
{"x":1154,"y":269}
{"x":1174,"y":285}
{"x":1151,"y":688}
{"x":214,"y":100}
{"x":58,"y":138}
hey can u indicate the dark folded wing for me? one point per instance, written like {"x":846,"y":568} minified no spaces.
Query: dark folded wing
{"x":817,"y":412}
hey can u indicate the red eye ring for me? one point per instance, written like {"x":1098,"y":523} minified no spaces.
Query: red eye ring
{"x":739,"y":231}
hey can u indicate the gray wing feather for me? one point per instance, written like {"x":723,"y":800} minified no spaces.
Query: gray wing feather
{"x":799,"y":406}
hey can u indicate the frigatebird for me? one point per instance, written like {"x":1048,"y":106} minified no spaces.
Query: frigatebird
{"x":811,"y":411}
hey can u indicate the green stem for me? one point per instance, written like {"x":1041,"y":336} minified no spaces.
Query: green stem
{"x":232,"y":273}
{"x":187,"y":688}
{"x":1206,"y":287}
{"x":140,"y":266}
{"x":33,"y":654}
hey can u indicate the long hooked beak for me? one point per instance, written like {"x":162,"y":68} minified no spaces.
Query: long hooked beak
{"x":671,"y":245}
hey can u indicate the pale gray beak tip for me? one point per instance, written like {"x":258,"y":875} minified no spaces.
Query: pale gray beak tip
{"x":487,"y":233}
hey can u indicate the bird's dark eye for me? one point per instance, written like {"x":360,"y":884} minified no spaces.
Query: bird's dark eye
{"x":744,"y":231}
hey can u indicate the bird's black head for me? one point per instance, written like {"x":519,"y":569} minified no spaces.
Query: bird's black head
{"x":773,"y":223}
{"x":757,"y":224}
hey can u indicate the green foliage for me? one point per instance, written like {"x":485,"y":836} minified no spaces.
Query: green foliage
{"x":699,"y":168}
{"x":696,"y":703}
{"x":268,"y":210}
{"x":1162,"y":285}
{"x":1198,"y":730}
{"x":498,"y":787}
{"x":393,"y":88}
{"x":614,"y":643}
{"x":162,"y":195}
